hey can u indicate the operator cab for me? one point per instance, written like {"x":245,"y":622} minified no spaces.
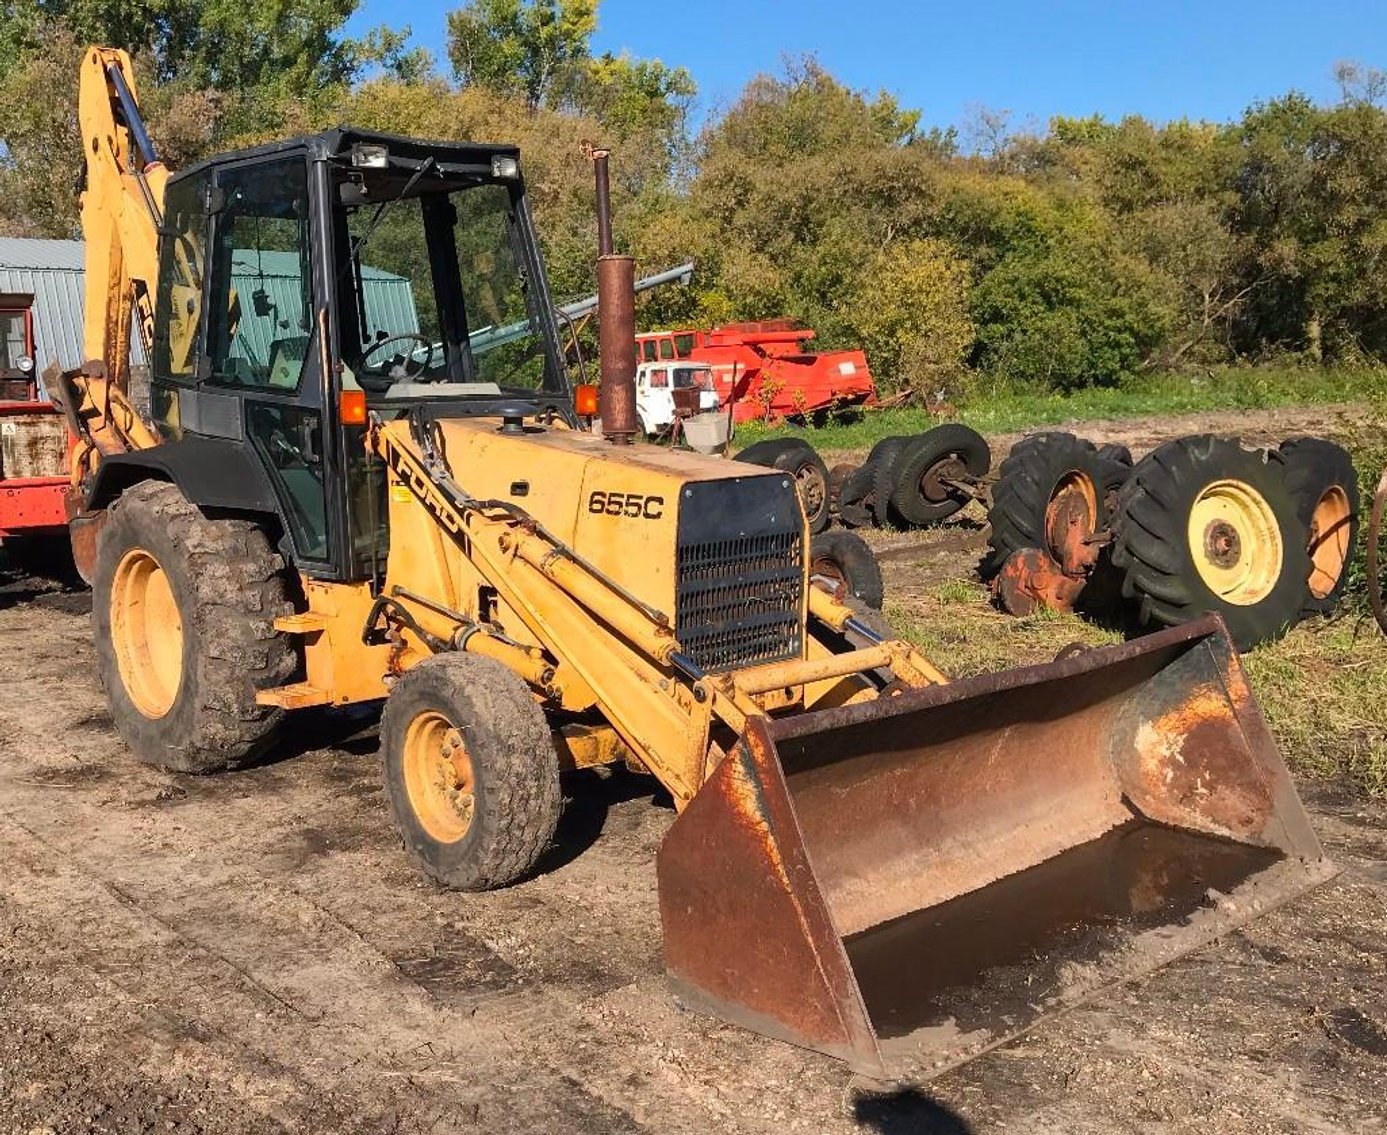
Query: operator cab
{"x":306,"y":283}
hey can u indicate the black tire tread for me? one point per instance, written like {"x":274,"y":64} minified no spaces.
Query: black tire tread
{"x":765,"y":451}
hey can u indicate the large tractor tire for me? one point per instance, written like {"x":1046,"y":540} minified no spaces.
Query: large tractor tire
{"x":842,"y":564}
{"x":184,"y":608}
{"x":930,"y":468}
{"x":470,"y":770}
{"x":1043,"y":475}
{"x":1205,"y":525}
{"x":1324,"y":485}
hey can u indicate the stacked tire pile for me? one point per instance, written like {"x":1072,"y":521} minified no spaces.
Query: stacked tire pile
{"x":912,"y":481}
{"x":908,"y":481}
{"x":1262,"y":537}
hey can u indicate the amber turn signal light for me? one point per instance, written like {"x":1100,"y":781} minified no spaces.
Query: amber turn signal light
{"x":351,"y":407}
{"x":585,"y":401}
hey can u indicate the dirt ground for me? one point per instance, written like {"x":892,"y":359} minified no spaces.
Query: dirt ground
{"x":251,"y":953}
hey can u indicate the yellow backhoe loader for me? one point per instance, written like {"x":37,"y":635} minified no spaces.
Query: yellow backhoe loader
{"x":363,"y":477}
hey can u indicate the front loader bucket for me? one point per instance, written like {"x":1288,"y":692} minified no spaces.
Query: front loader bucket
{"x":906,"y":883}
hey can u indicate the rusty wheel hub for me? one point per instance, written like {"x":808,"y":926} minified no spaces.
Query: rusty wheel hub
{"x":1071,"y":523}
{"x":1222,"y":544}
{"x":937,"y":482}
{"x":827,"y":575}
{"x":812,"y":489}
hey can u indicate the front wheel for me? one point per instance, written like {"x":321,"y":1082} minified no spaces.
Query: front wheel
{"x":471,"y":772}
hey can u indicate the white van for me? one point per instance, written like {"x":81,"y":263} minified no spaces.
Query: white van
{"x":655,"y":386}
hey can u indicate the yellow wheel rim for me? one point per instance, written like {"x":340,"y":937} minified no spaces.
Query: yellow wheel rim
{"x":1236,"y":542}
{"x":438,"y":777}
{"x":1329,"y":533}
{"x":147,"y":633}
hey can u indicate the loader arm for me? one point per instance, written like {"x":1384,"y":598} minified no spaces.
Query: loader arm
{"x":663,"y":706}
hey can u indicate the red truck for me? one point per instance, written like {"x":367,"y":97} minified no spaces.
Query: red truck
{"x":764,"y":369}
{"x":33,"y":437}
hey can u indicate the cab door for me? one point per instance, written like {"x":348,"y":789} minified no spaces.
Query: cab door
{"x":261,"y":375}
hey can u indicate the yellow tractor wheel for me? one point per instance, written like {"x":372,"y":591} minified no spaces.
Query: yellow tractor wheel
{"x":1206,"y":525}
{"x":1235,"y":542}
{"x":471,"y":772}
{"x":146,"y":632}
{"x":184,"y":611}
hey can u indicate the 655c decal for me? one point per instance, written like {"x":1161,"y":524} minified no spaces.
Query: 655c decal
{"x":637,"y":506}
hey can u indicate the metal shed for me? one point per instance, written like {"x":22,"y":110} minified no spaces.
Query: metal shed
{"x":52,"y":271}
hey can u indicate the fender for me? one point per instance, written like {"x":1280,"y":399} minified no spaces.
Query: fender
{"x":211,"y":472}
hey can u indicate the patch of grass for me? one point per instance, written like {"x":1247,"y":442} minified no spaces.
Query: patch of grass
{"x":998,"y":408}
{"x":1321,"y":691}
{"x":957,"y":626}
{"x":956,"y":591}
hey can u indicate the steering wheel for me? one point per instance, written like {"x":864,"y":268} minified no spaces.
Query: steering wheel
{"x":409,"y":337}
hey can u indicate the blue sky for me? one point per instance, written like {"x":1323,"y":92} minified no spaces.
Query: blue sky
{"x":1163,"y":60}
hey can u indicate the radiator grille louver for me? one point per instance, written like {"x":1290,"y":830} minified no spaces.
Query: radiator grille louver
{"x":738,"y":600}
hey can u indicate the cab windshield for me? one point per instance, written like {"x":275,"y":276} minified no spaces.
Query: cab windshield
{"x":435,"y":290}
{"x":696,"y":378}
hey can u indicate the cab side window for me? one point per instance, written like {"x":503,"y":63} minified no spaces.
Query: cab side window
{"x":182,"y":259}
{"x":260,"y":318}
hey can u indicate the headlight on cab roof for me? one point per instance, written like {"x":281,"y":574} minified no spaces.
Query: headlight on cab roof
{"x":370,"y":155}
{"x":506,"y":168}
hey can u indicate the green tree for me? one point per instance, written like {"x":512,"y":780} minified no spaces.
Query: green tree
{"x":917,"y":331}
{"x":520,"y":47}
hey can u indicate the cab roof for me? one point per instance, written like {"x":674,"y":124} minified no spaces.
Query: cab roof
{"x":338,"y":142}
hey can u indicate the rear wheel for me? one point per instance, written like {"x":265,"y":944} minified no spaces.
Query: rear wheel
{"x":184,"y":609}
{"x":470,"y":771}
{"x":1324,"y":485}
{"x":1205,"y":525}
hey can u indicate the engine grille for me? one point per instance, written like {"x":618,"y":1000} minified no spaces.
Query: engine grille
{"x":738,"y":596}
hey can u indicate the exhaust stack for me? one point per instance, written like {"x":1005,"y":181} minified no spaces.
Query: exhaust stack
{"x":616,"y":321}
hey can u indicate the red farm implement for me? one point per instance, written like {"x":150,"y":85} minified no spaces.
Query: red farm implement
{"x":764,"y":369}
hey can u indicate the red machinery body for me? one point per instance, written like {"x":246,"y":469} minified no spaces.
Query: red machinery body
{"x":764,"y":369}
{"x":33,"y":434}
